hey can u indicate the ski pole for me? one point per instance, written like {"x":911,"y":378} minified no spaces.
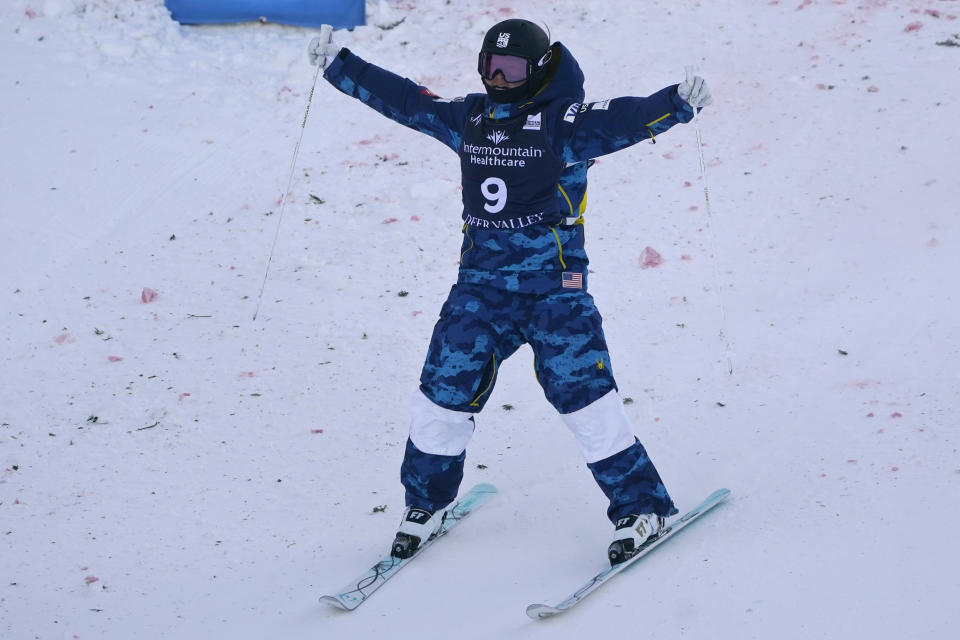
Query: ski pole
{"x":325,"y":31}
{"x":690,"y":72}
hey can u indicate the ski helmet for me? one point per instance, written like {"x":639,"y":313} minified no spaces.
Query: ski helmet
{"x":518,"y":49}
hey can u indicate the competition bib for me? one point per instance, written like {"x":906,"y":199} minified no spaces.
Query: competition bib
{"x":510,"y":173}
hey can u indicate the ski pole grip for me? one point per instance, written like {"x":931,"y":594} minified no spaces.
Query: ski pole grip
{"x":326,"y":34}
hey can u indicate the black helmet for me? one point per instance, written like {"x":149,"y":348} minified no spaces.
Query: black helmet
{"x":520,"y":39}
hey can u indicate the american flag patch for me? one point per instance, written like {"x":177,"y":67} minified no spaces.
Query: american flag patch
{"x":572,"y":280}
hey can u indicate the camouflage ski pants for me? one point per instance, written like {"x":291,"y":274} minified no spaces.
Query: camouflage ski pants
{"x":480,"y":327}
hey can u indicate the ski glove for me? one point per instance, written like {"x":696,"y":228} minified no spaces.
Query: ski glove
{"x":321,"y":50}
{"x":694,"y":90}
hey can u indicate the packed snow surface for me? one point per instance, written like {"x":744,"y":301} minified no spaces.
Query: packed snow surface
{"x":171,"y":467}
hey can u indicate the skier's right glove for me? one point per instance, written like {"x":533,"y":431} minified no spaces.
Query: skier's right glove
{"x":321,"y":50}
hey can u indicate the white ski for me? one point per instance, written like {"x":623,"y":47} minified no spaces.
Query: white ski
{"x":539,"y":611}
{"x":357,"y":591}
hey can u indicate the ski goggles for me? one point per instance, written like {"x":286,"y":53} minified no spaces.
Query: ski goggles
{"x":513,"y":68}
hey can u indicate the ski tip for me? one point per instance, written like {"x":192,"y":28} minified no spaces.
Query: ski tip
{"x":484,"y":487}
{"x":335,"y":602}
{"x":541,"y":611}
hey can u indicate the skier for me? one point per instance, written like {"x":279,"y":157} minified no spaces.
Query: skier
{"x":525,"y":145}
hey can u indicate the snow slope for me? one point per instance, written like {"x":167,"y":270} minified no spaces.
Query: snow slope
{"x":172,"y":468}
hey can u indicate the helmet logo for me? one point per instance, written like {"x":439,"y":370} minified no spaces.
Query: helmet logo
{"x":503,"y":40}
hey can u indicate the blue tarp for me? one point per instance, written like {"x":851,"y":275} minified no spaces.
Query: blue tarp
{"x":342,"y":14}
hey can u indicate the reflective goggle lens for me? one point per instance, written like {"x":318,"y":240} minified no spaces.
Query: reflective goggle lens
{"x":514,"y":69}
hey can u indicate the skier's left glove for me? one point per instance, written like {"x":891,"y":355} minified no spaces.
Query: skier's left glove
{"x":694,"y":90}
{"x":321,"y":50}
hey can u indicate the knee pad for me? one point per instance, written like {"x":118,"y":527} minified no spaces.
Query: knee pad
{"x":437,"y":430}
{"x":601,"y":428}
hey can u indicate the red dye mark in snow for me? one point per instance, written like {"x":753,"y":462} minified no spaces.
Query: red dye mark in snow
{"x":63,"y":337}
{"x":852,"y":461}
{"x":114,"y":358}
{"x":862,"y":384}
{"x":84,"y":568}
{"x":823,"y":475}
{"x":650,"y":258}
{"x":880,"y":431}
{"x":656,"y":419}
{"x":873,"y":89}
{"x":148,"y":295}
{"x":416,"y":313}
{"x":932,"y":12}
{"x":687,"y":183}
{"x":933,"y":243}
{"x":805,"y":3}
{"x":694,"y":207}
{"x":183,"y":395}
{"x":821,"y":86}
{"x":684,"y":256}
{"x":30,"y":13}
{"x":668,"y":155}
{"x":870,"y":415}
{"x":894,"y":469}
{"x":91,"y":579}
{"x":315,"y":431}
{"x":389,"y":221}
{"x":913,"y":26}
{"x":372,"y":140}
{"x":414,"y":218}
{"x":896,"y":414}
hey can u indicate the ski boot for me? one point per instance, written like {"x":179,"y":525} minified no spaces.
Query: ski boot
{"x":417,"y":526}
{"x":631,"y":534}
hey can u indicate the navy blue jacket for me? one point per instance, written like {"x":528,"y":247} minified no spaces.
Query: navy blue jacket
{"x":529,"y":259}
